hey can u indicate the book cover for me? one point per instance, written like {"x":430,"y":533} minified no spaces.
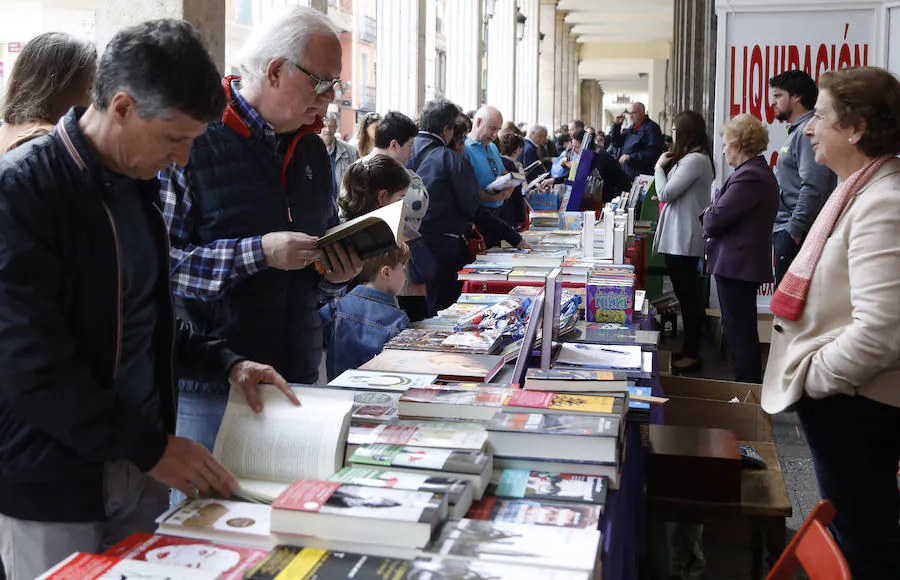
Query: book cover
{"x":556,"y":424}
{"x":330,"y":497}
{"x":421,"y":458}
{"x":449,"y":366}
{"x":600,"y":356}
{"x":428,"y":437}
{"x":571,"y":549}
{"x":456,"y":395}
{"x":611,"y":333}
{"x":483,"y":274}
{"x":84,"y":566}
{"x":483,"y":299}
{"x":374,"y":406}
{"x":381,"y":381}
{"x":526,"y":291}
{"x":295,"y":563}
{"x":218,"y":518}
{"x":534,"y":512}
{"x":641,"y":391}
{"x":372,"y":234}
{"x":452,"y":487}
{"x":608,"y":302}
{"x":233,"y":562}
{"x":561,"y":402}
{"x":542,"y":485}
{"x":572,"y":375}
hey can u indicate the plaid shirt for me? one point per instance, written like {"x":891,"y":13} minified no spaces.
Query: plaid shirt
{"x":207,"y":272}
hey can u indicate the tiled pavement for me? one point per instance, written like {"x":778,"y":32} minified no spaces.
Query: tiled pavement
{"x":727,"y":550}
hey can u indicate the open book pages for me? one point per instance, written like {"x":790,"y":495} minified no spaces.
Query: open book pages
{"x":268,"y":451}
{"x":506,"y":181}
{"x":371,"y":234}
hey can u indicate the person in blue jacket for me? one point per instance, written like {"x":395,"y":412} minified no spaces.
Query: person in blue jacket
{"x":640,"y":145}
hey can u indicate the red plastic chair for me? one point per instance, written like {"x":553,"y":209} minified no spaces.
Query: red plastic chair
{"x":813,"y":549}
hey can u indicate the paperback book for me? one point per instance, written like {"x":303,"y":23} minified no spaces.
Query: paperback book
{"x":93,"y":567}
{"x":449,"y":366}
{"x":381,"y":381}
{"x":555,"y":436}
{"x":575,"y":381}
{"x":220,"y":520}
{"x":536,"y":512}
{"x":447,"y":438}
{"x":542,"y":485}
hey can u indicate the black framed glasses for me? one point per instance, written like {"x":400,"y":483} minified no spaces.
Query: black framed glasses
{"x":322,"y":85}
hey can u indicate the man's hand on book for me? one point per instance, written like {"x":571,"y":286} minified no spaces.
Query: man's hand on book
{"x":247,"y":376}
{"x":192,"y":469}
{"x":344,"y":264}
{"x":290,"y":250}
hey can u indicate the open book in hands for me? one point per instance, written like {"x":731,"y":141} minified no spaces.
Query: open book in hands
{"x":372,"y":234}
{"x":505,"y":181}
{"x":268,"y":451}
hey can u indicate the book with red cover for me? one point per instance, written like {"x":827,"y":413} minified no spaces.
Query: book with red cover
{"x":82,"y":566}
{"x":233,"y":562}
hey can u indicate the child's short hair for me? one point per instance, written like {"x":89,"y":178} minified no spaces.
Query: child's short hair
{"x":392,"y":259}
{"x":365,"y":178}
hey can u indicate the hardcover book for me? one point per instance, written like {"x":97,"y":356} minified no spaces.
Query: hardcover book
{"x":372,"y":234}
{"x":549,"y":402}
{"x":232,"y":562}
{"x":463,"y":439}
{"x":449,"y":366}
{"x":575,"y":381}
{"x":535,"y":512}
{"x":555,"y":436}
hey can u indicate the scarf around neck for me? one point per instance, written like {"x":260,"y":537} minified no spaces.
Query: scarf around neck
{"x":790,"y":296}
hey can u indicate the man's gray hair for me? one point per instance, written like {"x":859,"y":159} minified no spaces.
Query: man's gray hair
{"x":331,"y":116}
{"x":536,"y":130}
{"x":284,"y":36}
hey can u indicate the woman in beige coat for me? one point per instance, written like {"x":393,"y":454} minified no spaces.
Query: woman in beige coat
{"x":53,"y":73}
{"x":835,"y":352}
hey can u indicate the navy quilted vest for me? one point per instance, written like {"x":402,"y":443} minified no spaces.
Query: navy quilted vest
{"x":236,"y":180}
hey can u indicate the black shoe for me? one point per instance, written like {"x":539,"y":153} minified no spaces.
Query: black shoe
{"x":695,"y":366}
{"x":676,"y":356}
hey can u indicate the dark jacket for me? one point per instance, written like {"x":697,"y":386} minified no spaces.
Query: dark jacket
{"x":512,"y":212}
{"x":60,"y":322}
{"x":454,"y":204}
{"x":739,"y":224}
{"x":242,"y":188}
{"x":531,"y":152}
{"x":643,"y":145}
{"x":615,"y":181}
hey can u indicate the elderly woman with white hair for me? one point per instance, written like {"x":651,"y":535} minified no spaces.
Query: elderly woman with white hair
{"x":245,"y":213}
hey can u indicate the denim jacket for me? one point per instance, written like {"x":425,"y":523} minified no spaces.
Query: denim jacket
{"x":357,"y":327}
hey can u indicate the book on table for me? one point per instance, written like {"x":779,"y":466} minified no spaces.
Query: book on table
{"x":471,"y":466}
{"x":267,"y":451}
{"x":232,"y":561}
{"x":600,"y":356}
{"x":505,"y":181}
{"x":449,"y":366}
{"x":447,"y":402}
{"x":558,"y":437}
{"x":374,"y":406}
{"x":296,"y":563}
{"x":611,"y":333}
{"x":445,"y":436}
{"x":340,"y":511}
{"x":542,"y":485}
{"x":472,"y":341}
{"x":223,"y":521}
{"x":372,"y":234}
{"x":380,"y":381}
{"x":589,"y":468}
{"x":536,"y":512}
{"x":459,"y":492}
{"x":549,"y":402}
{"x":556,"y":548}
{"x":575,"y":381}
{"x":92,"y":566}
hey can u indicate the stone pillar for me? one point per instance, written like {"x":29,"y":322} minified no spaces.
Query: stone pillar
{"x":547,"y":86}
{"x":656,"y":105}
{"x":694,"y":58}
{"x":464,"y":28}
{"x":501,"y":59}
{"x":400,"y":74}
{"x":526,"y":89}
{"x":320,"y":5}
{"x":207,"y":16}
{"x":573,"y":84}
{"x":561,"y":57}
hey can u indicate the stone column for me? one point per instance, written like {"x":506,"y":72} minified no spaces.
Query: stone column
{"x":694,"y":57}
{"x":501,"y":59}
{"x":207,"y":16}
{"x":547,"y":86}
{"x":464,"y":29}
{"x":526,"y":89}
{"x":560,"y":114}
{"x":400,"y":74}
{"x":656,"y":105}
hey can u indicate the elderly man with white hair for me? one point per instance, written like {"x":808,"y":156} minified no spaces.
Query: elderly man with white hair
{"x":534,"y":150}
{"x":245,"y":212}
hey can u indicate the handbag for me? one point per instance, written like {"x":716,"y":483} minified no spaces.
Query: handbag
{"x":476,"y":244}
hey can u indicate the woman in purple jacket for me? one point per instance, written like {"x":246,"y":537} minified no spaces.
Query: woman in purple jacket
{"x":738,"y":226}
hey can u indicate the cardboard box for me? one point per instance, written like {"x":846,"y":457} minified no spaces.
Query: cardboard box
{"x":705,"y":403}
{"x":664,"y":362}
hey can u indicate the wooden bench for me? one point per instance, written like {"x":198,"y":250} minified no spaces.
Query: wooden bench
{"x":763,"y":509}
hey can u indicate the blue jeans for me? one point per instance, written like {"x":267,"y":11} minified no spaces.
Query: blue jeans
{"x":199,"y":418}
{"x":855,"y":445}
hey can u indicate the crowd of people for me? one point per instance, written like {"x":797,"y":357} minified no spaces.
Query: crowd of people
{"x":158,"y":247}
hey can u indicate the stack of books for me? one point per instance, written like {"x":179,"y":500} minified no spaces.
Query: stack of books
{"x":610,"y":294}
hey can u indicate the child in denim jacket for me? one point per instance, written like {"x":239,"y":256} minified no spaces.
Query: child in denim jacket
{"x":359,"y":324}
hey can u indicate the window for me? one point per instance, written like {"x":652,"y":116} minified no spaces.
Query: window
{"x":440,"y":72}
{"x":245,"y":11}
